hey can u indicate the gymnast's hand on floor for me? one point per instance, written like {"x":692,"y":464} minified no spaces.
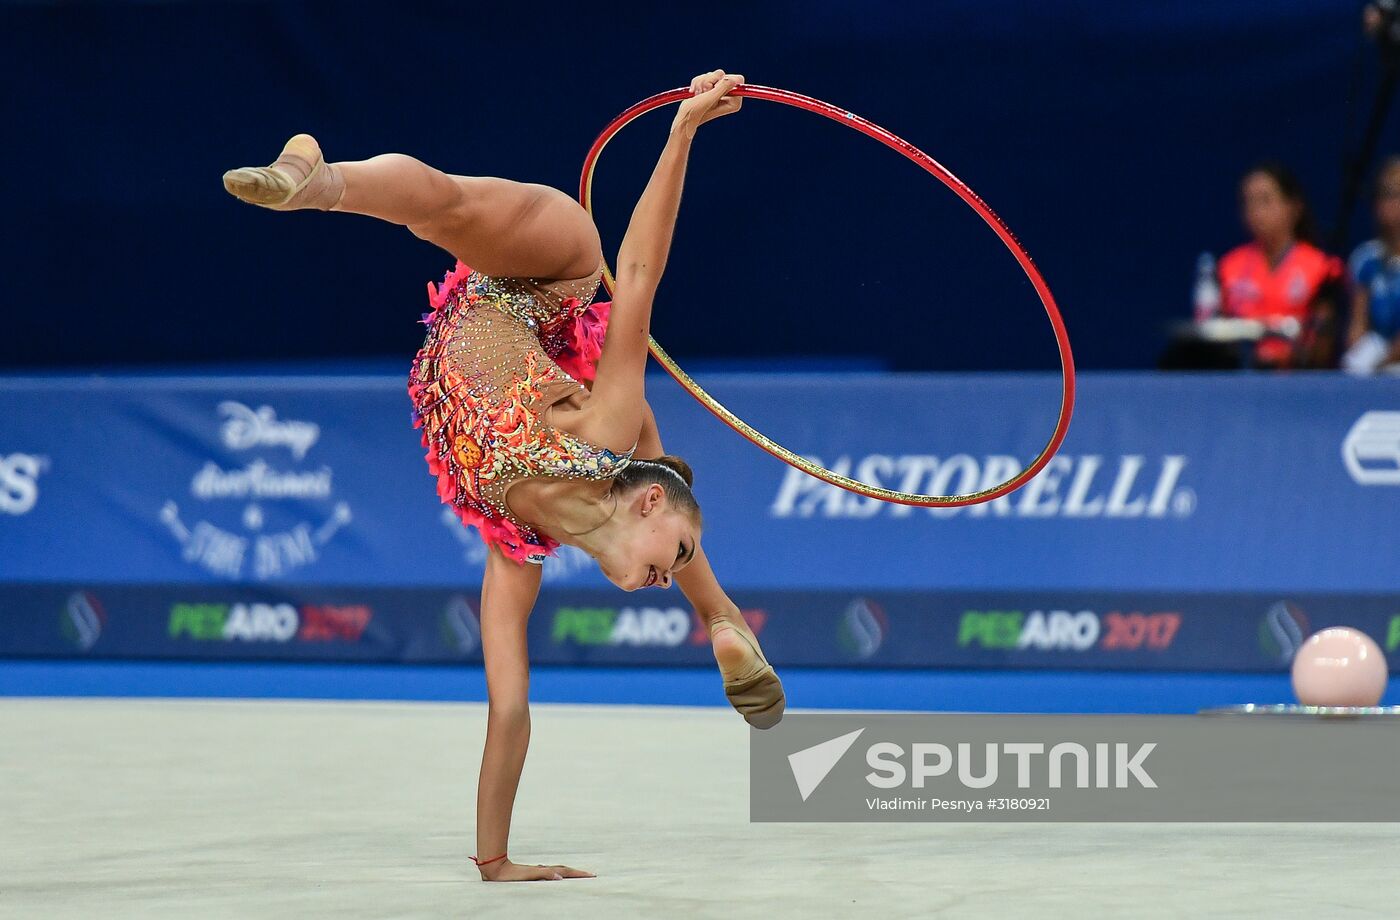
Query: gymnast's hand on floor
{"x":507,"y":871}
{"x":711,"y":99}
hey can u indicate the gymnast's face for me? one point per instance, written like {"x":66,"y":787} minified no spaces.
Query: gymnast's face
{"x":654,"y":542}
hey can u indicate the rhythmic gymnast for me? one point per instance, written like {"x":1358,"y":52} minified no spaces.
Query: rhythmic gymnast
{"x":532,"y":404}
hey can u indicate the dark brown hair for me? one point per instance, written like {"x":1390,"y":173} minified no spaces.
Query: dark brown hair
{"x":672,"y":474}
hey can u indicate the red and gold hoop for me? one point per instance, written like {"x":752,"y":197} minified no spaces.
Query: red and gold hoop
{"x":961,"y":189}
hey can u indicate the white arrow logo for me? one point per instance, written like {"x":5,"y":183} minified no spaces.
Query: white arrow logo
{"x":811,"y":765}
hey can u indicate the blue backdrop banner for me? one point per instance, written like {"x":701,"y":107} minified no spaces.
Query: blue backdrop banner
{"x":1193,"y":522}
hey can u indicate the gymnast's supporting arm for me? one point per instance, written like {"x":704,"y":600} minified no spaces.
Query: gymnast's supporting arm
{"x":508,"y":594}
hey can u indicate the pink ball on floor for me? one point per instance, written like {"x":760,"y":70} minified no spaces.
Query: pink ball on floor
{"x":1339,"y":666}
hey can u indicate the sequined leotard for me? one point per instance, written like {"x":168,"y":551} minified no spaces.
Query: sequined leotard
{"x":499,"y":352}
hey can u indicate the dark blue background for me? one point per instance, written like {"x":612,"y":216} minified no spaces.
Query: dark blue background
{"x":1110,"y":136}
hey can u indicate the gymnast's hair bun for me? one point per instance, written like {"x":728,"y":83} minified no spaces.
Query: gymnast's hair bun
{"x":679,"y":465}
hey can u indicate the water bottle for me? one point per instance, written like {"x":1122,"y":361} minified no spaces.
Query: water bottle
{"x":1207,"y":288}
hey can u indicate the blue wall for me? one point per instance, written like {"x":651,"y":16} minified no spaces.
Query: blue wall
{"x":1109,"y":135}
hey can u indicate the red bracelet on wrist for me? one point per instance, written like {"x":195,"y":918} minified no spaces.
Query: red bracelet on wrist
{"x":483,"y":862}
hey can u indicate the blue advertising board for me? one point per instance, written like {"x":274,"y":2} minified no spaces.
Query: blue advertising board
{"x":1189,"y":522}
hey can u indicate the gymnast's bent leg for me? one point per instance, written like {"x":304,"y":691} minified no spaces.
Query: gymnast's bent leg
{"x":750,"y":682}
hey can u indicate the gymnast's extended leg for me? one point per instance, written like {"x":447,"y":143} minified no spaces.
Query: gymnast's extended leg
{"x":499,"y":227}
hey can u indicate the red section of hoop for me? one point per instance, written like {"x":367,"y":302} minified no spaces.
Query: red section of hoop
{"x":940,"y":172}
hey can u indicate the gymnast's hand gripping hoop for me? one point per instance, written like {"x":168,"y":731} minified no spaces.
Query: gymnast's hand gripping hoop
{"x":961,"y":189}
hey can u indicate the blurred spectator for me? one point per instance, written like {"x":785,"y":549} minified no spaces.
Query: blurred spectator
{"x":1373,"y":336}
{"x":1279,"y":278}
{"x":1381,"y":22}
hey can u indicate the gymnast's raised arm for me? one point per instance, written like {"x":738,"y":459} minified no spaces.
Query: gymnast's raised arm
{"x":616,"y":407}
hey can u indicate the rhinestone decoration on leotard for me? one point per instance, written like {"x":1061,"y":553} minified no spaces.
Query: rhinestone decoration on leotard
{"x":481,"y":383}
